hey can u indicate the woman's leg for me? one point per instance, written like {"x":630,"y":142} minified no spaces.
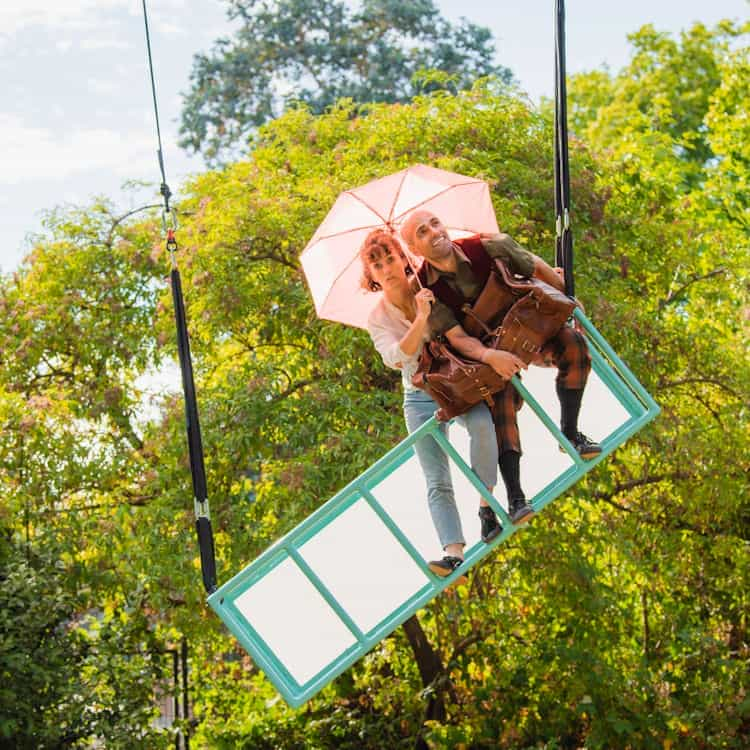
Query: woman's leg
{"x":483,"y":450}
{"x":418,"y":408}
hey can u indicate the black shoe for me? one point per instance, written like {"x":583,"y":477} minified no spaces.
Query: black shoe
{"x":490,"y":525}
{"x":446,"y":566}
{"x":519,"y":510}
{"x":585,"y":446}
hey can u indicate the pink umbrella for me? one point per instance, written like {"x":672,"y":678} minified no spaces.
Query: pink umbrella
{"x":331,"y":259}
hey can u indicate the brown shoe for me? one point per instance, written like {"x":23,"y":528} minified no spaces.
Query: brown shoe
{"x":446,"y":566}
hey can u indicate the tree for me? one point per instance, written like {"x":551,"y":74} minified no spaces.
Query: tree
{"x":619,"y":616}
{"x":67,"y":677}
{"x":318,"y":51}
{"x":665,"y":93}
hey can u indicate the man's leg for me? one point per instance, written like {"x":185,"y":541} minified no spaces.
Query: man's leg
{"x":505,"y":415}
{"x":569,"y":352}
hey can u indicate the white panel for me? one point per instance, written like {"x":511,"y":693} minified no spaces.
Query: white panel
{"x":295,"y":621}
{"x":363,"y":565}
{"x":542,"y":460}
{"x":403,"y":495}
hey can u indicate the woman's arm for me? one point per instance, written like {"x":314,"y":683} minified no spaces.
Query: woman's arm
{"x":412,"y":340}
{"x":394,"y":350}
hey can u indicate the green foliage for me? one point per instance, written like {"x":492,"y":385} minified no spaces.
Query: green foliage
{"x":617,"y":619}
{"x":67,"y":677}
{"x":318,"y":51}
{"x":659,"y":102}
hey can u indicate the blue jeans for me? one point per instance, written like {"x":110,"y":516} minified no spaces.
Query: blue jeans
{"x":418,"y":408}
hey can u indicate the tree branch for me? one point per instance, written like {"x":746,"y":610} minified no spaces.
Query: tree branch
{"x":464,"y":644}
{"x":674,"y":296}
{"x":691,"y":381}
{"x":120,"y":219}
{"x":671,"y":523}
{"x":246,"y":246}
{"x":640,"y":482}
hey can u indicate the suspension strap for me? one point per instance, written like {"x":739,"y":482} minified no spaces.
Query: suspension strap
{"x":563,"y":234}
{"x":195,"y":445}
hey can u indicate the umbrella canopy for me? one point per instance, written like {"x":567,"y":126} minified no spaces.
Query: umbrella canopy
{"x":331,"y":259}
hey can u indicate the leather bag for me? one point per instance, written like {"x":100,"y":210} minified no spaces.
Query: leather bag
{"x":536,"y":316}
{"x":454,"y":382}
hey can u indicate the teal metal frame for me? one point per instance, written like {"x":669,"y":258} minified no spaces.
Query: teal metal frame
{"x":615,"y":375}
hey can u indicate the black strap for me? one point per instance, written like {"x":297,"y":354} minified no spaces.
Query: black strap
{"x":564,"y":237}
{"x":195,"y":445}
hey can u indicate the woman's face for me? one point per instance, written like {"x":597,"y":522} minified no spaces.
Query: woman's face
{"x":387,"y":269}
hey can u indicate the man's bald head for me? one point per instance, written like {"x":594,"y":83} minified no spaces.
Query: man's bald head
{"x":409,"y":228}
{"x":426,"y":236}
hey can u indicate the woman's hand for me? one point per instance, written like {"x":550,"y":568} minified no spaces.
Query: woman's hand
{"x":424,"y":299}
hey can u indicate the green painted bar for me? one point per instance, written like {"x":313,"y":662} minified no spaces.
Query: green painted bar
{"x":471,"y":476}
{"x":619,"y":365}
{"x":344,"y":497}
{"x":548,"y":422}
{"x":262,"y":654}
{"x":396,"y":531}
{"x":325,"y":592}
{"x":614,"y":382}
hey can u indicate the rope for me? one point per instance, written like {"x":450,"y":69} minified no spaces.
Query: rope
{"x":195,"y":444}
{"x":165,"y":191}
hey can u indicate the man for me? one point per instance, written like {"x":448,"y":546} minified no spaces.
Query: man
{"x":456,"y":273}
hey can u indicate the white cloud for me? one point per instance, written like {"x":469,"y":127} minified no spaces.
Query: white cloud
{"x":105,"y":43}
{"x":19,"y":14}
{"x":101,"y":87}
{"x":171,"y":29}
{"x":16,"y":15}
{"x":32,"y":153}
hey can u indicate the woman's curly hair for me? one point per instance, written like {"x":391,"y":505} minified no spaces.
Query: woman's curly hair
{"x":378,"y":243}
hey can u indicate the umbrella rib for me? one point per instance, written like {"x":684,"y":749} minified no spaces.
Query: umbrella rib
{"x":338,"y":276}
{"x":395,"y":199}
{"x":366,"y":204}
{"x":431,"y":198}
{"x":346,"y":231}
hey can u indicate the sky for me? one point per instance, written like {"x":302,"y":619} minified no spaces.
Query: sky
{"x":76,"y":118}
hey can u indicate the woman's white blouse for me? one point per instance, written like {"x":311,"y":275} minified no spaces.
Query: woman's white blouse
{"x":387,"y":325}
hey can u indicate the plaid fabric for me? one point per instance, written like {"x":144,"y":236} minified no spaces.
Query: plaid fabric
{"x":569,"y":352}
{"x":507,"y":403}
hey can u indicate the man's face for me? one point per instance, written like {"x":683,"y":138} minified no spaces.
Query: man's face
{"x":428,"y":237}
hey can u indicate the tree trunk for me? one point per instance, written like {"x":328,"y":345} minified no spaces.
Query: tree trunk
{"x":430,"y":668}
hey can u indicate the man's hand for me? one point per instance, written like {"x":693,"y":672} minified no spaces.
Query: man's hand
{"x":503,"y":363}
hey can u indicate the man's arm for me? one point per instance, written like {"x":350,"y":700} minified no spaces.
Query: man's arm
{"x":520,"y":260}
{"x":503,"y":363}
{"x":546,"y":273}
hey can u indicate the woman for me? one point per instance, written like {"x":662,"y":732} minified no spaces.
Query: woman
{"x":399,"y":329}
